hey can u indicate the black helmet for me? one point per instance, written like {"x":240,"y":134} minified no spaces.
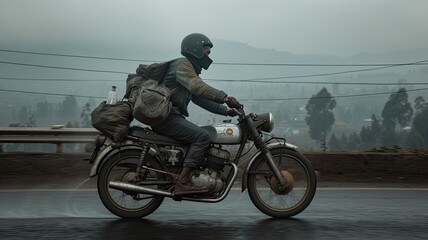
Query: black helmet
{"x":193,"y":45}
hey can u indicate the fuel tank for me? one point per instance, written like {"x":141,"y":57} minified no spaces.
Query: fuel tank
{"x":224,"y":133}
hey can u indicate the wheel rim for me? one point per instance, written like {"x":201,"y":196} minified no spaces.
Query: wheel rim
{"x":123,"y":170}
{"x":289,"y":180}
{"x":266,"y":185}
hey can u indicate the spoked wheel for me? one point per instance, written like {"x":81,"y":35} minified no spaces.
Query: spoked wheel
{"x":121,"y":167}
{"x":269,"y":197}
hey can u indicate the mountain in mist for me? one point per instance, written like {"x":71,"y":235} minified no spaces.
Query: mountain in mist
{"x":223,"y":52}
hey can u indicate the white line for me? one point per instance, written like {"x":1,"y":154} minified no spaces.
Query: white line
{"x":233,"y":189}
{"x":47,"y":190}
{"x":372,"y":189}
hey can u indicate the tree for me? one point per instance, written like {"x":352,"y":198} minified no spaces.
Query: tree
{"x":344,"y":141}
{"x":420,"y":126}
{"x":353,"y":141}
{"x":85,"y":116}
{"x":68,"y":108}
{"x":24,"y":114}
{"x":366,"y":137}
{"x":31,"y":122}
{"x":376,"y":128}
{"x":319,"y":116}
{"x":419,"y":104}
{"x":370,"y":136}
{"x":334,"y":143}
{"x":44,"y":110}
{"x":397,"y":110}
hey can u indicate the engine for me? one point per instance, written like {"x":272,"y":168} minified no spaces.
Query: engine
{"x":208,"y":179}
{"x":211,"y":177}
{"x":217,"y":158}
{"x":173,"y":157}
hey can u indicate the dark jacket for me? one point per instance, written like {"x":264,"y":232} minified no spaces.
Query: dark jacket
{"x":182,"y":74}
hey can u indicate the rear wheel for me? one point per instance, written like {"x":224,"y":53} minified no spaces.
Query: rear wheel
{"x":121,"y":167}
{"x":264,"y":190}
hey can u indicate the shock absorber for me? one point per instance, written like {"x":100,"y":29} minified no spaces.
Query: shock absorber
{"x":141,"y":161}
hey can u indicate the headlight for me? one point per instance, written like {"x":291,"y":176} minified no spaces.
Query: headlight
{"x":268,"y":123}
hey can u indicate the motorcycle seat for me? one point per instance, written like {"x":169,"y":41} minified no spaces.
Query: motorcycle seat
{"x":150,"y":135}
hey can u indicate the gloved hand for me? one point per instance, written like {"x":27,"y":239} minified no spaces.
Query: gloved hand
{"x":231,"y":101}
{"x":231,"y":112}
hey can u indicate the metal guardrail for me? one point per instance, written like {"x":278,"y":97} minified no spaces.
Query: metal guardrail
{"x":55,"y":135}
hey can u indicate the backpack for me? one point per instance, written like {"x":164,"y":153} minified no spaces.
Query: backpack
{"x":152,"y":106}
{"x":149,"y":96}
{"x":155,"y":71}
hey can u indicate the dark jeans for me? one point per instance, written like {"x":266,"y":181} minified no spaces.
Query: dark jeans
{"x":178,"y":127}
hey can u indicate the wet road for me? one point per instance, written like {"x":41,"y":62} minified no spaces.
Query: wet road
{"x":335,"y":213}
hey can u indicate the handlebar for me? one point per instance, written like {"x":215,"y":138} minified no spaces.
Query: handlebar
{"x":239,"y":110}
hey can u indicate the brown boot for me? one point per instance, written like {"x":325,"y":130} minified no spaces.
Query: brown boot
{"x":182,"y":185}
{"x":184,"y":176}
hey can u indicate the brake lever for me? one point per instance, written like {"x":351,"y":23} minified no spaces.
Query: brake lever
{"x":239,"y":110}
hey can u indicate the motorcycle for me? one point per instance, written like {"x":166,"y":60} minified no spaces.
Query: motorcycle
{"x":135,"y":176}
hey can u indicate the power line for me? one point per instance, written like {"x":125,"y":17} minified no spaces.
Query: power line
{"x":423,"y":62}
{"x":340,"y":96}
{"x":48,"y":94}
{"x":264,"y":80}
{"x":76,"y":56}
{"x":270,"y":78}
{"x":263,"y":99}
{"x":221,"y":80}
{"x":62,"y":68}
{"x":333,"y":73}
{"x":317,"y":82}
{"x":59,"y":79}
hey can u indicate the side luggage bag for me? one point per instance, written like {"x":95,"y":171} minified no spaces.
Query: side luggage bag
{"x":113,"y":119}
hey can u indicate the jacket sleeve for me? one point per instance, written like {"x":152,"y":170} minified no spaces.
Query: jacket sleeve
{"x":187,"y":77}
{"x":210,"y":105}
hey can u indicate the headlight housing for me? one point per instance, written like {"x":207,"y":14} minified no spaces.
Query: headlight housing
{"x":267,"y":121}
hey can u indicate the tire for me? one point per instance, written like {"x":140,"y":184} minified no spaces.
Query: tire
{"x":128,"y":205}
{"x":263,"y":187}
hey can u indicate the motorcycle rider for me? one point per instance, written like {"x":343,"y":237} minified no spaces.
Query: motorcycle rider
{"x":183,"y":74}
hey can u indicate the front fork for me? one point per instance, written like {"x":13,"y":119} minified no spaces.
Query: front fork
{"x":258,"y":141}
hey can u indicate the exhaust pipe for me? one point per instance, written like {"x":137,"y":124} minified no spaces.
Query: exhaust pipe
{"x":127,"y":187}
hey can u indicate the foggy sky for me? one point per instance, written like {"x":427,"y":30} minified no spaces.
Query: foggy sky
{"x":326,"y":27}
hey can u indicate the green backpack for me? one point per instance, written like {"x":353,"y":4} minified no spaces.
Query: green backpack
{"x":144,"y":72}
{"x":148,"y":95}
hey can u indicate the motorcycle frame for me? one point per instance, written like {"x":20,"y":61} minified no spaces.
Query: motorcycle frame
{"x":263,"y":150}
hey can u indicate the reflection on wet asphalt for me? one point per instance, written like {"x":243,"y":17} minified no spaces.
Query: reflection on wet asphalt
{"x":333,"y":214}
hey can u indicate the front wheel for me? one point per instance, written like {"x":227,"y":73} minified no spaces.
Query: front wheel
{"x":121,"y":167}
{"x":264,"y":190}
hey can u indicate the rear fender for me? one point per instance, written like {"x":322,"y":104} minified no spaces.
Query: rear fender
{"x":107,"y":153}
{"x":258,"y":154}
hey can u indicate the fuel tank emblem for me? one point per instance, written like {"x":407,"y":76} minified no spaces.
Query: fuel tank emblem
{"x":229,"y":132}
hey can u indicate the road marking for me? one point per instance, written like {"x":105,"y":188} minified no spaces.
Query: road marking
{"x":47,"y":190}
{"x":233,"y":189}
{"x":372,"y":189}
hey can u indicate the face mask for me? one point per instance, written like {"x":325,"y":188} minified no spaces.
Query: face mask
{"x":205,"y":62}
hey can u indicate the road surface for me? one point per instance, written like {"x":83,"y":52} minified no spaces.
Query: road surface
{"x":363,"y":211}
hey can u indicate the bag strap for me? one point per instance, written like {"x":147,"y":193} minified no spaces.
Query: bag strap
{"x":175,"y":89}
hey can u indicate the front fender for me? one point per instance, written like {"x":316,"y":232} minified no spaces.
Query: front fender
{"x":106,"y":153}
{"x":256,"y":155}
